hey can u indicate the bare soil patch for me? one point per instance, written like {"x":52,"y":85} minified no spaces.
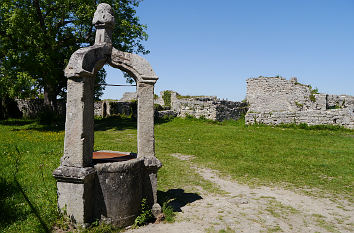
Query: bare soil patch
{"x":260,"y":209}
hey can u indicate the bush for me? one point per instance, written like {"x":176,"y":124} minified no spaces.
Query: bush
{"x":145,"y":214}
{"x":167,"y":98}
{"x":167,"y":210}
{"x":134,"y":108}
{"x":158,"y":107}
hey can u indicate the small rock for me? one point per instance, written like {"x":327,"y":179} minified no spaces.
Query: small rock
{"x":243,"y":201}
{"x":160,"y":218}
{"x":156,"y":210}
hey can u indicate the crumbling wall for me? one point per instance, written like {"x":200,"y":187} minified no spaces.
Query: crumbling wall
{"x":342,"y":117}
{"x":209,"y":107}
{"x":275,"y":100}
{"x":128,"y":97}
{"x":265,"y":94}
{"x":32,"y":108}
{"x":108,"y":107}
{"x":339,"y":101}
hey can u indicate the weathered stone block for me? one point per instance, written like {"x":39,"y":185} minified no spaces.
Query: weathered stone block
{"x":78,"y":141}
{"x":75,"y":190}
{"x":292,"y":102}
{"x":119,"y":191}
{"x":146,"y":138}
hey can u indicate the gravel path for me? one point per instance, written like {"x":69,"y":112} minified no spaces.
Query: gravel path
{"x":261,"y":209}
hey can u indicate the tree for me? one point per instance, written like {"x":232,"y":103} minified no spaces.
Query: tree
{"x":37,"y":38}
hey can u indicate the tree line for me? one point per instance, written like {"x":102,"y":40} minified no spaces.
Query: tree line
{"x":37,"y":38}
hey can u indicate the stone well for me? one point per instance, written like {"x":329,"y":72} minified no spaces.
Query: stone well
{"x":110,"y":189}
{"x":119,"y":190}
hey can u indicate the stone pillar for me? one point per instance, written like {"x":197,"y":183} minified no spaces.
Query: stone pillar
{"x":146,"y":143}
{"x":146,"y":138}
{"x":79,"y":125}
{"x":75,"y":176}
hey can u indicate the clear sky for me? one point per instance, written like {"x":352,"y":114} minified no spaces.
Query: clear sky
{"x":208,"y":47}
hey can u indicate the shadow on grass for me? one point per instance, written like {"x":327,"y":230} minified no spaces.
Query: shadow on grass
{"x":177,"y":198}
{"x":9,"y":213}
{"x":33,"y":208}
{"x":35,"y":124}
{"x":118,"y":122}
{"x":11,"y":206}
{"x":16,"y":122}
{"x":54,"y":127}
{"x":13,"y":209}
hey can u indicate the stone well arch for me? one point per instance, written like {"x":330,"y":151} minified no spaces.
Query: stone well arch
{"x":77,"y":176}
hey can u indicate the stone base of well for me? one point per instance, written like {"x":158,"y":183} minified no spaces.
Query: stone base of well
{"x":75,"y":190}
{"x":111,"y":191}
{"x":119,"y":191}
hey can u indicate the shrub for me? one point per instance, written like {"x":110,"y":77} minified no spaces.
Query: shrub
{"x":134,"y":108}
{"x":167,"y":98}
{"x":313,"y":92}
{"x":167,"y":210}
{"x":145,"y":214}
{"x":158,"y":107}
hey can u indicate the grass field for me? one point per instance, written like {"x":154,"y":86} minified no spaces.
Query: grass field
{"x":317,"y":159}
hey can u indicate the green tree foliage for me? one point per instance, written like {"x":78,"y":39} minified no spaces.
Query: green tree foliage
{"x":37,"y":38}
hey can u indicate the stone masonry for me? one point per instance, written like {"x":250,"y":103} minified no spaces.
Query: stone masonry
{"x":275,"y":100}
{"x":82,"y":186}
{"x":209,"y":107}
{"x":32,"y":108}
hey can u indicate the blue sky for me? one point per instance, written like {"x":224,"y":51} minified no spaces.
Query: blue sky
{"x":204,"y":47}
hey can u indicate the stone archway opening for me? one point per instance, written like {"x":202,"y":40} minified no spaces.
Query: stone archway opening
{"x":118,"y":114}
{"x":111,"y":190}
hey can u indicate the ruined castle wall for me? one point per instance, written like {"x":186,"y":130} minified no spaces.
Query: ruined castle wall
{"x":98,"y":108}
{"x":342,"y":117}
{"x":128,"y":96}
{"x":196,"y":108}
{"x":339,"y":101}
{"x":275,"y":100}
{"x":209,"y":107}
{"x":267,"y":94}
{"x":106,"y":108}
{"x":32,"y":108}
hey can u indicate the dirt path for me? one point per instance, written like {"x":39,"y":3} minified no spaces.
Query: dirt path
{"x":261,"y":209}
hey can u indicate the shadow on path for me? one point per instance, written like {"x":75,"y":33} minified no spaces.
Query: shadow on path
{"x":177,"y":198}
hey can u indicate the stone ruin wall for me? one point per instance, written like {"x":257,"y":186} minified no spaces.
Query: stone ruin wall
{"x":272,"y":100}
{"x":108,"y":107}
{"x":32,"y":108}
{"x":209,"y":107}
{"x":275,"y":100}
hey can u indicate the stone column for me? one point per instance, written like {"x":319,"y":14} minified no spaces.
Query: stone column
{"x":79,"y":125}
{"x":146,"y":139}
{"x":75,"y":176}
{"x":146,"y":143}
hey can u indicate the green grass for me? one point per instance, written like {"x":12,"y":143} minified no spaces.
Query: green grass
{"x":319,"y":158}
{"x":27,"y":189}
